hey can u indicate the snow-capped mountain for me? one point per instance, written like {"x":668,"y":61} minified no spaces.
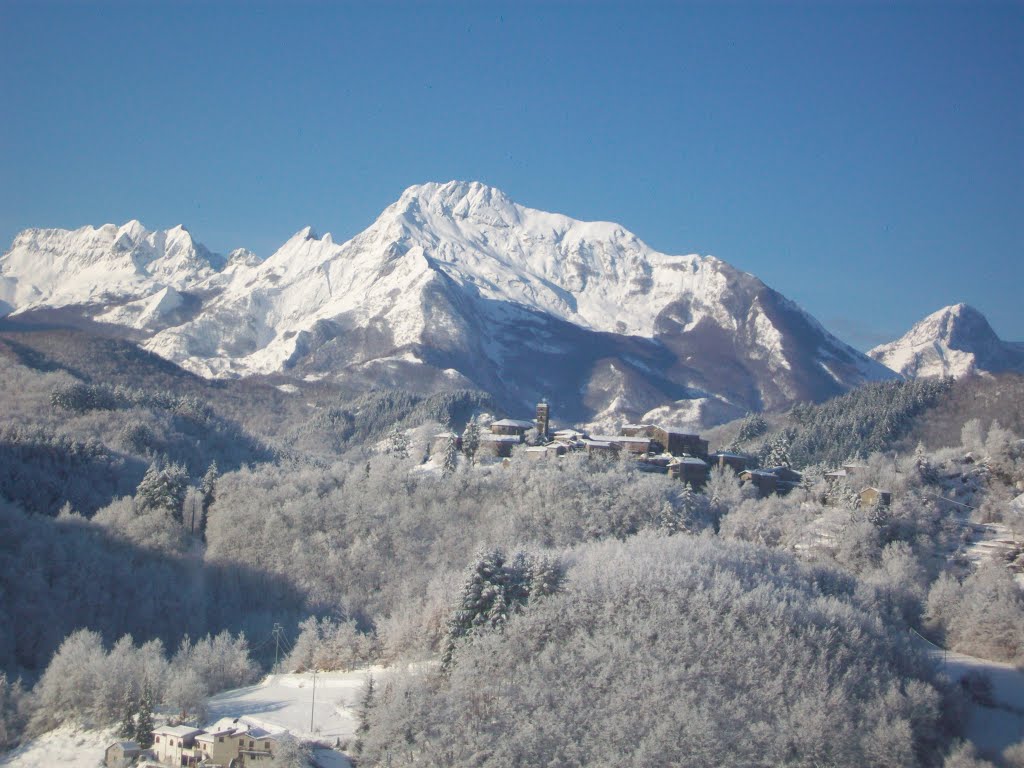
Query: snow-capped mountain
{"x":90,"y":266}
{"x":456,"y":285}
{"x":955,"y":341}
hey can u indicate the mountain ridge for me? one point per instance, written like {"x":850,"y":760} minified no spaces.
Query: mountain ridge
{"x":454,"y":284}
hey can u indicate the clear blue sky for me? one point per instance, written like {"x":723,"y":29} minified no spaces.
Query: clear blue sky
{"x":865,"y":159}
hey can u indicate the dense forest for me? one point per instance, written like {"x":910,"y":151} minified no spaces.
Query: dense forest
{"x":155,"y":527}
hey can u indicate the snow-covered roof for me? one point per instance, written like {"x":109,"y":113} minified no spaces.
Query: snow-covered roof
{"x":518,"y":423}
{"x":536,"y":449}
{"x":597,"y":443}
{"x":621,"y":438}
{"x":678,"y":432}
{"x":872,"y":488}
{"x":127,"y":746}
{"x":235,"y":726}
{"x":691,"y":460}
{"x":184,"y":731}
{"x":490,"y":437}
{"x":569,"y":433}
{"x":727,"y":455}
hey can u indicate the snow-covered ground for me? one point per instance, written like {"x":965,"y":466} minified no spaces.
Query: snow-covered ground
{"x":278,"y":701}
{"x":326,"y":714}
{"x":68,"y":747}
{"x":991,"y":728}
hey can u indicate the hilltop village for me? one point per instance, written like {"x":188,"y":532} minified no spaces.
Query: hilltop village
{"x":683,"y":456}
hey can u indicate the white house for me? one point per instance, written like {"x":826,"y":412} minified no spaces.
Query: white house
{"x":172,"y":744}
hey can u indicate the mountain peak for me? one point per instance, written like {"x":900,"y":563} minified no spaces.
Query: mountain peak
{"x":133,"y":226}
{"x":460,"y":200}
{"x":954,"y":341}
{"x":306,"y":233}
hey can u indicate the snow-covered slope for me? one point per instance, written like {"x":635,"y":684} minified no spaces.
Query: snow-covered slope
{"x":955,"y":341}
{"x":456,"y":285}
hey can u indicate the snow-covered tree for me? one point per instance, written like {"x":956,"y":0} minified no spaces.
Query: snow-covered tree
{"x":450,"y":462}
{"x":775,"y":452}
{"x":471,"y":439}
{"x":144,"y":724}
{"x":397,"y":443}
{"x":208,"y":487}
{"x":163,"y":487}
{"x":289,"y":752}
{"x":130,"y":708}
{"x":13,"y":711}
{"x":495,"y":588}
{"x":363,"y":710}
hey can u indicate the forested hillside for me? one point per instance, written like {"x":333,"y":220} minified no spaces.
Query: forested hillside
{"x":580,"y":609}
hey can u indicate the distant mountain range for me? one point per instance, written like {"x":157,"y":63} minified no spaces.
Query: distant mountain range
{"x":454,"y":285}
{"x":955,"y":341}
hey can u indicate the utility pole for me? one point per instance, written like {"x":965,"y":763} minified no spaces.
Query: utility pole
{"x":276,"y":631}
{"x":311,"y":706}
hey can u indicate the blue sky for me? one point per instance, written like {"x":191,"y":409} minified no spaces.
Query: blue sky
{"x":865,"y":159}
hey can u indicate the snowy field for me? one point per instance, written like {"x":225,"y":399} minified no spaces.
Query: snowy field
{"x":67,"y":747}
{"x":279,"y":701}
{"x":289,"y":701}
{"x":991,"y":728}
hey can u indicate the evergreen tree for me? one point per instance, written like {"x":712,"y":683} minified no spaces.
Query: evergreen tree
{"x":471,"y":439}
{"x":208,"y":485}
{"x":495,"y":588}
{"x":451,"y":457}
{"x":366,"y":701}
{"x":163,"y":487}
{"x":129,"y":709}
{"x":776,"y":450}
{"x":144,"y":724}
{"x":397,"y":443}
{"x":753,"y":425}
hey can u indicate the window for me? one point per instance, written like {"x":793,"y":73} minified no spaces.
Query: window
{"x":220,"y":739}
{"x":241,"y":742}
{"x":156,"y":740}
{"x":250,"y":744}
{"x":266,"y":745}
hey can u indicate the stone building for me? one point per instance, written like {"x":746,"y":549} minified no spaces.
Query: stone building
{"x":689,"y":469}
{"x":122,"y":754}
